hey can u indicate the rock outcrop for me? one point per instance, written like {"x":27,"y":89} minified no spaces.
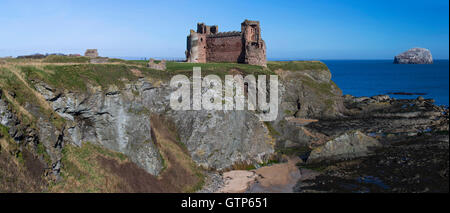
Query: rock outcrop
{"x":120,"y":120}
{"x":347,"y":146}
{"x":414,"y":56}
{"x":305,"y":96}
{"x":113,"y":118}
{"x":413,"y":156}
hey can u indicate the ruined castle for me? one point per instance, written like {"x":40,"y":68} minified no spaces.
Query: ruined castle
{"x":210,"y":45}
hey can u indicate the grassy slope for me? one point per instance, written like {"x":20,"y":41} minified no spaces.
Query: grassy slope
{"x":296,"y":65}
{"x":76,"y":76}
{"x":91,"y":168}
{"x":19,"y":170}
{"x":22,"y":97}
{"x":81,"y":171}
{"x":66,"y":59}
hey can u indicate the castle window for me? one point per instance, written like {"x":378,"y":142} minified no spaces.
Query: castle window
{"x":213,"y":30}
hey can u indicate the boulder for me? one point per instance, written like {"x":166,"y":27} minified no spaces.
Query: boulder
{"x":414,"y":56}
{"x":381,"y":98}
{"x":347,"y":146}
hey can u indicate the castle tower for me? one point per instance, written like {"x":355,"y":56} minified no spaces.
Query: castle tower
{"x":208,"y":30}
{"x":196,"y":47}
{"x":254,"y":46}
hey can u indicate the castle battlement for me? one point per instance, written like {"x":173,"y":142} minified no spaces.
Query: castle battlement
{"x":224,"y":34}
{"x":207,"y":44}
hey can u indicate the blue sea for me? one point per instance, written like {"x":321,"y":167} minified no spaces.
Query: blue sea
{"x":375,"y":77}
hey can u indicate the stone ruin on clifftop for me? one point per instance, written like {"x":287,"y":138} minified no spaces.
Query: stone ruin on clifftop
{"x":93,"y":53}
{"x":157,"y":66}
{"x":210,"y":45}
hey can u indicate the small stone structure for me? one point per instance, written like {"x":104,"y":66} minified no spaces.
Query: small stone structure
{"x":93,"y":53}
{"x":210,"y":45}
{"x":157,"y":66}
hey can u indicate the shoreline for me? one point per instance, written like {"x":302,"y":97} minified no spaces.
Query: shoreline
{"x":360,"y":172}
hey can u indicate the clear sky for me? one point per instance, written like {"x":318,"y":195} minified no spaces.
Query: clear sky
{"x":310,"y":29}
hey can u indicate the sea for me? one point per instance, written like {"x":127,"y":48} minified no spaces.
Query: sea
{"x":401,"y":81}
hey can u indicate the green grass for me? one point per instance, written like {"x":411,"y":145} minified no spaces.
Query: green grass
{"x":76,"y":77}
{"x":25,"y":96}
{"x":10,"y":82}
{"x":269,"y":162}
{"x":20,"y":60}
{"x":199,"y":185}
{"x":4,"y":131}
{"x":288,"y":112}
{"x":242,"y":166}
{"x":220,"y":69}
{"x":66,"y":59}
{"x":142,"y":63}
{"x":248,"y":167}
{"x":272,"y":130}
{"x":81,"y":172}
{"x":296,"y":65}
{"x":322,"y":88}
{"x":40,"y":150}
{"x":89,"y":148}
{"x":13,"y":147}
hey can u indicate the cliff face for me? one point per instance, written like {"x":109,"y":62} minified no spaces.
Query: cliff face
{"x":119,"y":119}
{"x":414,"y":56}
{"x":114,"y":118}
{"x":132,"y":117}
{"x":307,"y":96}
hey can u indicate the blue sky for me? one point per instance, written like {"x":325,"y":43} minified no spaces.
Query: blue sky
{"x":310,"y":29}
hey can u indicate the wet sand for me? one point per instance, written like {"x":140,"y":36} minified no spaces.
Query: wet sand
{"x":277,"y":178}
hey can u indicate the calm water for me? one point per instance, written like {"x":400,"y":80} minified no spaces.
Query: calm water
{"x":374,"y":77}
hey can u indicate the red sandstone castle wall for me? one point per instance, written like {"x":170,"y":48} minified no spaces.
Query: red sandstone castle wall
{"x":223,"y":49}
{"x":201,"y":48}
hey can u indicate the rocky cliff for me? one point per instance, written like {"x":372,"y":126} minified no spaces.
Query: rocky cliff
{"x":382,"y":144}
{"x":85,"y":120}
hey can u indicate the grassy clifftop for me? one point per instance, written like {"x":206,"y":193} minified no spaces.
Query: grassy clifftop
{"x":296,"y":65}
{"x":74,"y":73}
